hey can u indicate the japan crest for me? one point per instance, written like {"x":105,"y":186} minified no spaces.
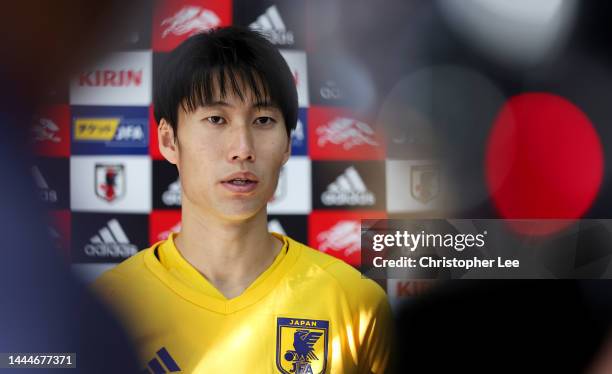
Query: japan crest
{"x":425,"y":182}
{"x":110,"y":181}
{"x":301,"y":345}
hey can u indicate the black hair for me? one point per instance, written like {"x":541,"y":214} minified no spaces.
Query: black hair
{"x":219,"y":58}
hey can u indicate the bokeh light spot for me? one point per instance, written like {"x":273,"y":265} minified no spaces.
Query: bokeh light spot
{"x":543,"y":159}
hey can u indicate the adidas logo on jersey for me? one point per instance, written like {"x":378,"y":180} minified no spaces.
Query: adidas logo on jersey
{"x":46,"y":194}
{"x":348,"y":189}
{"x":162,"y":363}
{"x":346,"y":131}
{"x":110,"y":241}
{"x":272,"y":26}
{"x":343,"y":235}
{"x":172,"y":196}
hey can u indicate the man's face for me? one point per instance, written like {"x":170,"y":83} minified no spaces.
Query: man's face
{"x":229,"y":155}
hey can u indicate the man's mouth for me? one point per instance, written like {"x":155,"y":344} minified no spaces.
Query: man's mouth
{"x":240,"y":182}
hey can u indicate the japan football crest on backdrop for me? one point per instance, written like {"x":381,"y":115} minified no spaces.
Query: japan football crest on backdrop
{"x":110,"y":182}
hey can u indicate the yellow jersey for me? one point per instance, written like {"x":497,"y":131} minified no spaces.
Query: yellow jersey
{"x":307,"y":313}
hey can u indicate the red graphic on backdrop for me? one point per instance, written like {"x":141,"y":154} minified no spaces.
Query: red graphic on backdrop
{"x":337,"y":134}
{"x":50,"y":131}
{"x":162,"y":223}
{"x":338,"y":233}
{"x":153,"y":142}
{"x":175,"y":21}
{"x":59,"y":232}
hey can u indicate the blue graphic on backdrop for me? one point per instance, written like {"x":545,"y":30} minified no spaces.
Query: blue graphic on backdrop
{"x":110,"y":130}
{"x":299,"y":144}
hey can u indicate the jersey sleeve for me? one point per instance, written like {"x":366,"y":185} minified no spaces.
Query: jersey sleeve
{"x":106,"y":286}
{"x":371,"y":317}
{"x":376,"y":341}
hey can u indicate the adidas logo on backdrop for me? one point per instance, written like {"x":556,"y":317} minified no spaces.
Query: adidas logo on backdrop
{"x":46,"y":194}
{"x":110,"y":241}
{"x":172,"y":196}
{"x":272,"y":26}
{"x":348,"y":189}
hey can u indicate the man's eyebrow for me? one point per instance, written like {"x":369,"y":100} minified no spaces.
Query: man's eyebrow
{"x":258,"y":105}
{"x":217,"y":103}
{"x":265,"y":105}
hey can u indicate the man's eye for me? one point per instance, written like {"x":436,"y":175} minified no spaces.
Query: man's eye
{"x":264,"y":121}
{"x":215,"y":120}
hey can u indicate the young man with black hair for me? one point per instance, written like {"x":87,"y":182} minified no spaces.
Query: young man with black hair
{"x":224,"y":295}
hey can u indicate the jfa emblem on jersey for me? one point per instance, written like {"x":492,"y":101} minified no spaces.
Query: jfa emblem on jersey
{"x":110,"y":181}
{"x":425,"y":182}
{"x":301,"y":345}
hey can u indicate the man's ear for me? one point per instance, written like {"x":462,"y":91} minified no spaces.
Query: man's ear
{"x":168,"y":146}
{"x":287,"y":152}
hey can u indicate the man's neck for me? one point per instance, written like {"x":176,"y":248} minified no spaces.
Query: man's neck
{"x":231,"y":255}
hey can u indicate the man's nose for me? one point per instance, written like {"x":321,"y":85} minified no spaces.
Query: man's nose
{"x":242,"y":147}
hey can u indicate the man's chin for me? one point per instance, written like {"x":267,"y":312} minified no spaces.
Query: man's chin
{"x":242,"y":212}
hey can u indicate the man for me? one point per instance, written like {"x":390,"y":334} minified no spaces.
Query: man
{"x":224,"y":295}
